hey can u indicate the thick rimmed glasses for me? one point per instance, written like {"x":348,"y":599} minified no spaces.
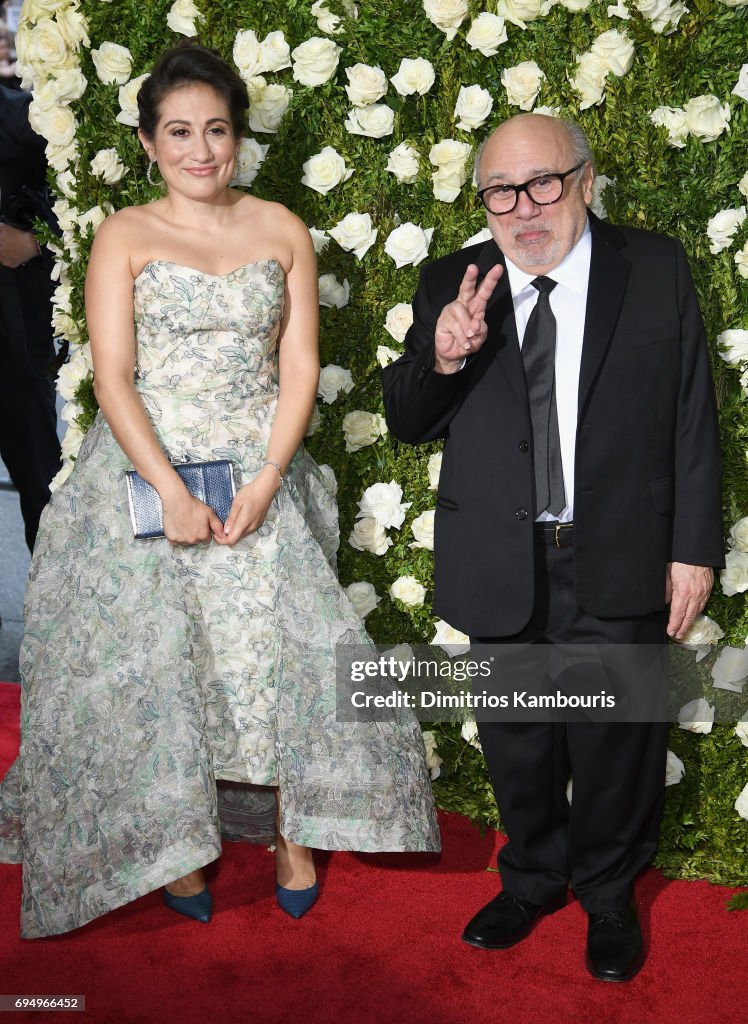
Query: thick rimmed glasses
{"x":543,"y":190}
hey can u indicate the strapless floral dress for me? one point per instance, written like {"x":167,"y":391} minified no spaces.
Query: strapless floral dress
{"x":152,"y":672}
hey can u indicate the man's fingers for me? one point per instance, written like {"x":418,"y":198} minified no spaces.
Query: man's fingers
{"x":467,"y":285}
{"x":477,"y":305}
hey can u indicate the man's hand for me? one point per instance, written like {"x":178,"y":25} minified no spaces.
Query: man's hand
{"x":687,"y":588}
{"x":461,"y":327}
{"x":16,"y":246}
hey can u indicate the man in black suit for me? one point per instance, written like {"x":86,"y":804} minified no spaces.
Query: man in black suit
{"x":28,"y":421}
{"x":565,"y":364}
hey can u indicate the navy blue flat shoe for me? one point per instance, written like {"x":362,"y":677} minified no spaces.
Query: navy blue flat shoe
{"x":296,"y":902}
{"x":199,"y":907}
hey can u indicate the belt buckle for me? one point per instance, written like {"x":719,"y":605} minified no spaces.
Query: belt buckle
{"x":557,"y":533}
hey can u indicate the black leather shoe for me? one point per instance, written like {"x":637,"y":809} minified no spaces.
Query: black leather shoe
{"x":506,"y":920}
{"x":615,"y":951}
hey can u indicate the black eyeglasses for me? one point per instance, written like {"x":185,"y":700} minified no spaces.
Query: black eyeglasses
{"x":543,"y":190}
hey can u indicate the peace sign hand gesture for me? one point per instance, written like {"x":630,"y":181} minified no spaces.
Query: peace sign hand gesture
{"x":461,"y":327}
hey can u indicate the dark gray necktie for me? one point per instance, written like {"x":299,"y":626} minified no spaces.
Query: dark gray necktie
{"x":539,"y":357}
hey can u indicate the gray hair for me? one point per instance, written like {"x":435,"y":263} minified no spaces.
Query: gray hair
{"x":580,"y":148}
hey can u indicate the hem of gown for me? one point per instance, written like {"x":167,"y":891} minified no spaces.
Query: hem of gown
{"x":10,"y":852}
{"x":315,"y":832}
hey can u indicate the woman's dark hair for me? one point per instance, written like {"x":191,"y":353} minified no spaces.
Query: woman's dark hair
{"x":188,"y":63}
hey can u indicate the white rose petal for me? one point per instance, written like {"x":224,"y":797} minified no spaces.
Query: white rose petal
{"x":366,"y":84}
{"x":735,"y":342}
{"x":275,"y":53}
{"x":722,"y":228}
{"x":734,"y":577}
{"x":730,"y":669}
{"x":743,"y":183}
{"x":361,"y":429}
{"x":599,"y":184}
{"x":183,"y":17}
{"x":480,"y":236}
{"x":487,"y":33}
{"x":739,"y":534}
{"x":433,"y":761}
{"x":434,"y":468}
{"x":662,"y":14}
{"x":59,"y":479}
{"x":57,"y":124}
{"x":447,"y":15}
{"x":382,"y":502}
{"x":674,"y":120}
{"x":741,"y":804}
{"x":248,"y":55}
{"x":448,"y":184}
{"x":320,"y":240}
{"x":71,"y":373}
{"x":741,"y":261}
{"x":697,"y":716}
{"x":702,"y":632}
{"x":469,"y":733}
{"x":315,"y":61}
{"x":325,"y":170}
{"x":355,"y":233}
{"x":473,"y":107}
{"x":326,"y":20}
{"x":674,"y":769}
{"x":128,"y":101}
{"x":268,"y":107}
{"x":450,"y":155}
{"x":368,"y":535}
{"x":332,"y":380}
{"x":47,"y":47}
{"x":408,"y":590}
{"x":740,"y":88}
{"x":108,"y":166}
{"x":522,"y":83}
{"x":403,"y":163}
{"x":408,"y":244}
{"x":619,"y":10}
{"x":93,"y":219}
{"x":385,"y":355}
{"x":616,"y":50}
{"x":332,"y":293}
{"x":374,"y":121}
{"x":249,"y":160}
{"x":706,"y":117}
{"x":363,"y":597}
{"x":398,"y":320}
{"x":415,"y":75}
{"x":519,"y":12}
{"x":450,"y":639}
{"x":741,"y":731}
{"x":589,"y":79}
{"x":422,"y":528}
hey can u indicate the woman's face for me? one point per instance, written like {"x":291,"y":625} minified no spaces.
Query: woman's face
{"x":194,"y":143}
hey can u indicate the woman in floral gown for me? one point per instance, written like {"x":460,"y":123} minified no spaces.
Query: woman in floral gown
{"x":155,"y":669}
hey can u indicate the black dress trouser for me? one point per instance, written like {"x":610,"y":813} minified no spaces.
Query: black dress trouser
{"x":610,"y":831}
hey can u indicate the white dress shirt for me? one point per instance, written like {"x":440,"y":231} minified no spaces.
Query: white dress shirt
{"x":568,"y":303}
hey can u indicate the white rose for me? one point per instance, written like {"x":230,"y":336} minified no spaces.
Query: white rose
{"x":326,"y":20}
{"x":363,"y":597}
{"x":57,"y":124}
{"x":365,"y":84}
{"x":385,"y":355}
{"x":332,"y":292}
{"x":320,"y":240}
{"x":741,"y":804}
{"x":113,"y":64}
{"x":616,"y":49}
{"x":722,"y":228}
{"x":450,"y":639}
{"x":734,"y":577}
{"x":403,"y":163}
{"x":59,"y":478}
{"x":447,"y":15}
{"x":332,"y":380}
{"x":433,"y":761}
{"x":325,"y":170}
{"x":415,"y":75}
{"x":183,"y":16}
{"x":275,"y":53}
{"x":473,"y":107}
{"x":487,"y":33}
{"x":447,"y":184}
{"x":398,"y":321}
{"x":599,"y":184}
{"x":315,"y":61}
{"x":64,"y":326}
{"x":71,"y":411}
{"x":33,"y":10}
{"x":46,"y":48}
{"x":574,"y":5}
{"x":408,"y":244}
{"x":469,"y":733}
{"x":128,"y":101}
{"x":739,"y":534}
{"x":589,"y":79}
{"x":743,"y":183}
{"x":480,"y":236}
{"x":69,"y":86}
{"x":328,"y":477}
{"x":360,"y":429}
{"x":450,"y":155}
{"x":730,"y":669}
{"x":519,"y":12}
{"x":619,"y":10}
{"x":741,"y":261}
{"x":734,"y":343}
{"x":92,"y":219}
{"x":408,"y":590}
{"x":248,"y":162}
{"x":374,"y":121}
{"x":522,"y":83}
{"x":741,"y":731}
{"x":256,"y":86}
{"x":76,"y":369}
{"x":702,"y":632}
{"x":674,"y":120}
{"x":73,"y":27}
{"x":248,"y":55}
{"x":740,"y":88}
{"x":355,"y":233}
{"x":434,"y":468}
{"x":674,"y":769}
{"x":108,"y":166}
{"x":314,"y":421}
{"x":697,"y":716}
{"x":662,"y":14}
{"x":382,"y":502}
{"x":422,"y":528}
{"x":267,"y":110}
{"x":368,"y":535}
{"x":706,"y":117}
{"x":71,"y":442}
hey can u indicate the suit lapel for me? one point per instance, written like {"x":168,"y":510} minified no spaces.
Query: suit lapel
{"x":609,"y":272}
{"x":502,"y":343}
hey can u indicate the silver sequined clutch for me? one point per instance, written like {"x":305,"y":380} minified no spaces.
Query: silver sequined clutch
{"x":211,"y":482}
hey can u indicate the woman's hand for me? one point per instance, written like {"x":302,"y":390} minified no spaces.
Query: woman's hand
{"x":188,"y":520}
{"x":250,"y":506}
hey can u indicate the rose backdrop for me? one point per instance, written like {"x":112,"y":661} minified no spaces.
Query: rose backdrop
{"x":365,"y":123}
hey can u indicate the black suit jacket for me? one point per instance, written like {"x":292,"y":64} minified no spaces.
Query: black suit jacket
{"x":647,"y":467}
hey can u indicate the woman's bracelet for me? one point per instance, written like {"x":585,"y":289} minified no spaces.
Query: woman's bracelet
{"x":270,"y":462}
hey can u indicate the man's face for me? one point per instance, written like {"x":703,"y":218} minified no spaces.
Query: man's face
{"x":535,"y":238}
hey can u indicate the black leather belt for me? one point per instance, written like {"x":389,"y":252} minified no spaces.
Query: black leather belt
{"x":553,"y":534}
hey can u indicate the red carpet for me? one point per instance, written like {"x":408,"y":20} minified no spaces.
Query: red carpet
{"x":381,"y":947}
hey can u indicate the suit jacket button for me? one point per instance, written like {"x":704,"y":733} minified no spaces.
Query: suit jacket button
{"x":521,"y":513}
{"x":524,"y":446}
